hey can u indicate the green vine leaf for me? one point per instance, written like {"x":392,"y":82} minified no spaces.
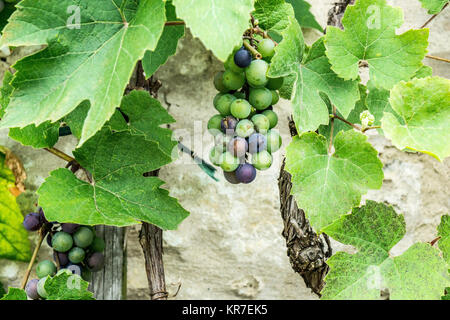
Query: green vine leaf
{"x":273,"y":15}
{"x":303,"y":14}
{"x":117,"y":157}
{"x":447,"y":294}
{"x":444,"y":233}
{"x":67,"y":287}
{"x":14,"y":242}
{"x":328,"y":186}
{"x":15,"y":294}
{"x":167,"y":44}
{"x":370,"y":36}
{"x":313,"y":77}
{"x":373,"y":229}
{"x":434,"y":6}
{"x":221,"y":23}
{"x":53,"y":82}
{"x":424,"y":108}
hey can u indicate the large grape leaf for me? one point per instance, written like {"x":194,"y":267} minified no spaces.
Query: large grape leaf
{"x":370,"y":36}
{"x":327,"y":186}
{"x":14,"y":242}
{"x":91,"y":63}
{"x":67,"y":287}
{"x":15,"y":294}
{"x":273,"y":14}
{"x":44,"y":136}
{"x":219,"y":24}
{"x":424,"y":108}
{"x":434,"y":6}
{"x":167,"y":44}
{"x":119,"y":193}
{"x":313,"y":77}
{"x":444,"y":233}
{"x":373,"y":229}
{"x":303,"y":14}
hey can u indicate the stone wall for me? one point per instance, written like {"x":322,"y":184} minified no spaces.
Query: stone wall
{"x":231,"y":245}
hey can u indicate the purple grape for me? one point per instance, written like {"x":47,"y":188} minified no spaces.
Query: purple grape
{"x":74,"y":268}
{"x":69,"y":227}
{"x":256,"y":143}
{"x":42,"y":216}
{"x":242,"y":58}
{"x":32,"y":221}
{"x":228,"y":125}
{"x":231,"y":177}
{"x":63,"y":258}
{"x":238,"y":147}
{"x":31,"y":289}
{"x":95,"y":261}
{"x":246,"y":173}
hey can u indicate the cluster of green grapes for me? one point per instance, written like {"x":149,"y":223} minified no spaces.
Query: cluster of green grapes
{"x":243,"y":129}
{"x":76,"y":250}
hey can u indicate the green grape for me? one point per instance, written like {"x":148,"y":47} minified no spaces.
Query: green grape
{"x":231,"y":65}
{"x":214,"y":124}
{"x":218,"y":82}
{"x":245,"y":128}
{"x":274,"y":141}
{"x":272,"y":116}
{"x":83,"y":237}
{"x":260,"y":98}
{"x":216,"y":98}
{"x":240,"y":108}
{"x":86,"y":274}
{"x":275,"y":97}
{"x":76,"y":255}
{"x":267,"y":48}
{"x":229,"y":162}
{"x":45,"y":268}
{"x":239,"y":94}
{"x":40,"y":288}
{"x":262,"y":160}
{"x":256,"y":73}
{"x":62,"y":241}
{"x":275,"y":83}
{"x":224,"y":103}
{"x":233,"y":81}
{"x":261,"y":122}
{"x":98,"y":245}
{"x":215,"y":154}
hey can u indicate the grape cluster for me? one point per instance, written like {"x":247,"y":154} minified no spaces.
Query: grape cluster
{"x":243,"y":129}
{"x":76,"y":250}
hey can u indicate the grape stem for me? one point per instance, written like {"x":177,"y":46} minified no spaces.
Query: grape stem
{"x":335,"y":116}
{"x":174,"y":23}
{"x":253,"y":51}
{"x":433,"y":17}
{"x":433,"y":242}
{"x":437,"y":58}
{"x":61,"y":154}
{"x":332,"y":130}
{"x":42,"y":233}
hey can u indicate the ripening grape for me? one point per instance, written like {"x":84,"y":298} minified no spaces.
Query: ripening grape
{"x":256,"y":73}
{"x":86,"y":274}
{"x":216,"y":98}
{"x":32,"y":221}
{"x":45,"y":268}
{"x":76,"y":255}
{"x":238,"y":147}
{"x":31,"y":288}
{"x":275,"y":97}
{"x":242,"y":58}
{"x":40,"y":288}
{"x":240,"y":108}
{"x":267,"y":48}
{"x":262,"y":160}
{"x":215,"y":155}
{"x":62,"y":241}
{"x":69,"y":227}
{"x":260,"y":98}
{"x":63,"y":258}
{"x":245,"y":128}
{"x":218,"y":82}
{"x":275,"y":83}
{"x":261,"y":122}
{"x":98,"y":245}
{"x":246,"y":173}
{"x":233,"y":81}
{"x":273,"y":141}
{"x":228,"y":162}
{"x":95,"y":261}
{"x":256,"y":143}
{"x":83,"y":237}
{"x":272,"y":116}
{"x":231,"y":177}
{"x":223,"y":104}
{"x":228,"y":125}
{"x":214,"y":124}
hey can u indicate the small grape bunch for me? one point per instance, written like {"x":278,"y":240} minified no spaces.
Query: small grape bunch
{"x":76,"y":250}
{"x":244,"y":133}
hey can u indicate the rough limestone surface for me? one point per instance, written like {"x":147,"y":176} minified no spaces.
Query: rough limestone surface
{"x":231,"y":245}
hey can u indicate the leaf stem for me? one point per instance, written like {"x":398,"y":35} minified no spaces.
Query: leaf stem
{"x":254,"y":52}
{"x":433,"y":242}
{"x":433,"y":17}
{"x":332,"y":130}
{"x":346,"y":121}
{"x":42,"y":234}
{"x":370,"y":128}
{"x":60,"y":154}
{"x":437,"y":58}
{"x":174,"y":23}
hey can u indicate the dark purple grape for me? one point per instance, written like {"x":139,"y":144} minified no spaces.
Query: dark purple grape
{"x":42,"y":216}
{"x":246,"y":173}
{"x":242,"y":58}
{"x":74,"y":268}
{"x":231,"y":177}
{"x":31,"y":289}
{"x":228,"y":125}
{"x":32,"y":221}
{"x":69,"y":227}
{"x":95,"y":261}
{"x":63,"y":258}
{"x":256,"y":143}
{"x":238,"y":147}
